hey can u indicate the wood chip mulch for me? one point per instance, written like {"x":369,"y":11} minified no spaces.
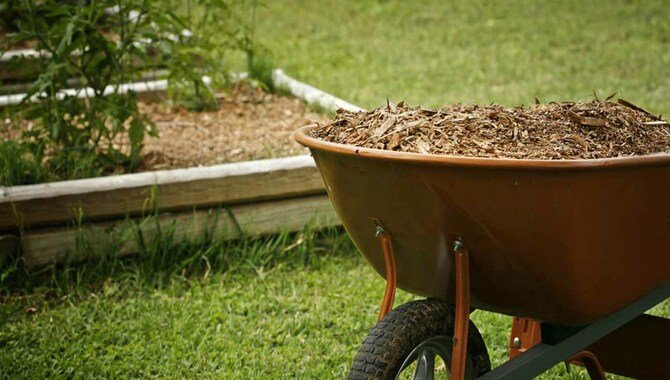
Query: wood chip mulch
{"x":568,"y":130}
{"x":249,"y":124}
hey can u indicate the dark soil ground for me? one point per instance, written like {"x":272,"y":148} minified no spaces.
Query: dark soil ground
{"x":249,"y":124}
{"x":567,"y":130}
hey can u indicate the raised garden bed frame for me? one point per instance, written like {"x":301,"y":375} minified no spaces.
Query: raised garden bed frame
{"x":258,"y":197}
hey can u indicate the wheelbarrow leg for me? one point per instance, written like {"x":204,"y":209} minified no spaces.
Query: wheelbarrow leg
{"x":590,"y":361}
{"x":462,"y":317}
{"x":462,"y":320}
{"x":391,"y":280}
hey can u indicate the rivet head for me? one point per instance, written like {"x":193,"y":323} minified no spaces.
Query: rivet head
{"x":516,"y":342}
{"x":379,"y":231}
{"x":458,"y":244}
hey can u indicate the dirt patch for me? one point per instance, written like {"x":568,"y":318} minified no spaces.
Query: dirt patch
{"x":582,"y":130}
{"x":249,"y":124}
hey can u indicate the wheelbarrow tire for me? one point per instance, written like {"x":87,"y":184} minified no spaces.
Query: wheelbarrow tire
{"x":394,"y":338}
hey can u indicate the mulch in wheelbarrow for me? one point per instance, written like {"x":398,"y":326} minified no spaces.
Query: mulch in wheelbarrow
{"x":552,"y":131}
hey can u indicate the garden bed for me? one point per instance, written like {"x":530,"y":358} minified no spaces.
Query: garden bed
{"x":249,"y":124}
{"x":273,"y":195}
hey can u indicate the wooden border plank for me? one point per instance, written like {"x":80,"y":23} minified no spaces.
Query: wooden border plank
{"x":55,"y":244}
{"x":130,"y":194}
{"x":33,"y":209}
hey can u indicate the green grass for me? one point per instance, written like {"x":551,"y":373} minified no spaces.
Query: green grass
{"x":19,"y":165}
{"x":508,"y":52}
{"x":289,"y":306}
{"x":272,"y":308}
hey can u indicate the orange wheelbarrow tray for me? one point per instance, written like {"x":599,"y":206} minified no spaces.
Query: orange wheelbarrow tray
{"x":575,"y":248}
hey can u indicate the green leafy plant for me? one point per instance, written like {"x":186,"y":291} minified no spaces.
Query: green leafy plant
{"x":259,"y":62}
{"x":19,"y":165}
{"x":216,"y":31}
{"x":102,"y":44}
{"x":98,"y":46}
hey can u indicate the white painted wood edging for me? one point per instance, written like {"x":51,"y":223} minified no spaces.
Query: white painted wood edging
{"x":263,"y":196}
{"x":88,"y":92}
{"x":22,"y":53}
{"x":311,"y":94}
{"x":300,"y":90}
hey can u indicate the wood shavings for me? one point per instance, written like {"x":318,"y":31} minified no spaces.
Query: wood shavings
{"x":567,"y":130}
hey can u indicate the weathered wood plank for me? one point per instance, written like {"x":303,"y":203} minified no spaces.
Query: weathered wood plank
{"x":55,"y":244}
{"x":35,"y":206}
{"x":131,"y":194}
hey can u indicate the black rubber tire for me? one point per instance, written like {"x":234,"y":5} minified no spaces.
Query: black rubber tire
{"x":393,"y":338}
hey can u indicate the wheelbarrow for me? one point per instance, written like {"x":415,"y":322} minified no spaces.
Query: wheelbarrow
{"x":575,"y":250}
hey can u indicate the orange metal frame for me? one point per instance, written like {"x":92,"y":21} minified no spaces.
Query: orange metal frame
{"x":391,"y":281}
{"x":648,"y":334}
{"x":590,"y":361}
{"x":639,"y":349}
{"x":462,"y":318}
{"x":460,"y":350}
{"x":527,"y":333}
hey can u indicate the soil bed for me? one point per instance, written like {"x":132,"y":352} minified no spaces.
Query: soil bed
{"x":249,"y":124}
{"x":582,"y":130}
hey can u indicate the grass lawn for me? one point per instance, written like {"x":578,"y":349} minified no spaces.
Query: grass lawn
{"x":284,"y":307}
{"x":277,"y":309}
{"x":436,"y":52}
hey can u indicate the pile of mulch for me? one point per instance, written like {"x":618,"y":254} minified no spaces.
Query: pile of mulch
{"x":249,"y":124}
{"x":553,"y":131}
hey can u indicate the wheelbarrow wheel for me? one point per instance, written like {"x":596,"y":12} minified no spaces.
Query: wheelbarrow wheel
{"x":415,"y":335}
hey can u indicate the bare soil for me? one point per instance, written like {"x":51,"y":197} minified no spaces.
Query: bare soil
{"x":249,"y":124}
{"x":568,"y":130}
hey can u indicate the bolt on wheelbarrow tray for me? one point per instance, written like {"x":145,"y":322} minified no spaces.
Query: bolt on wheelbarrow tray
{"x":565,"y":242}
